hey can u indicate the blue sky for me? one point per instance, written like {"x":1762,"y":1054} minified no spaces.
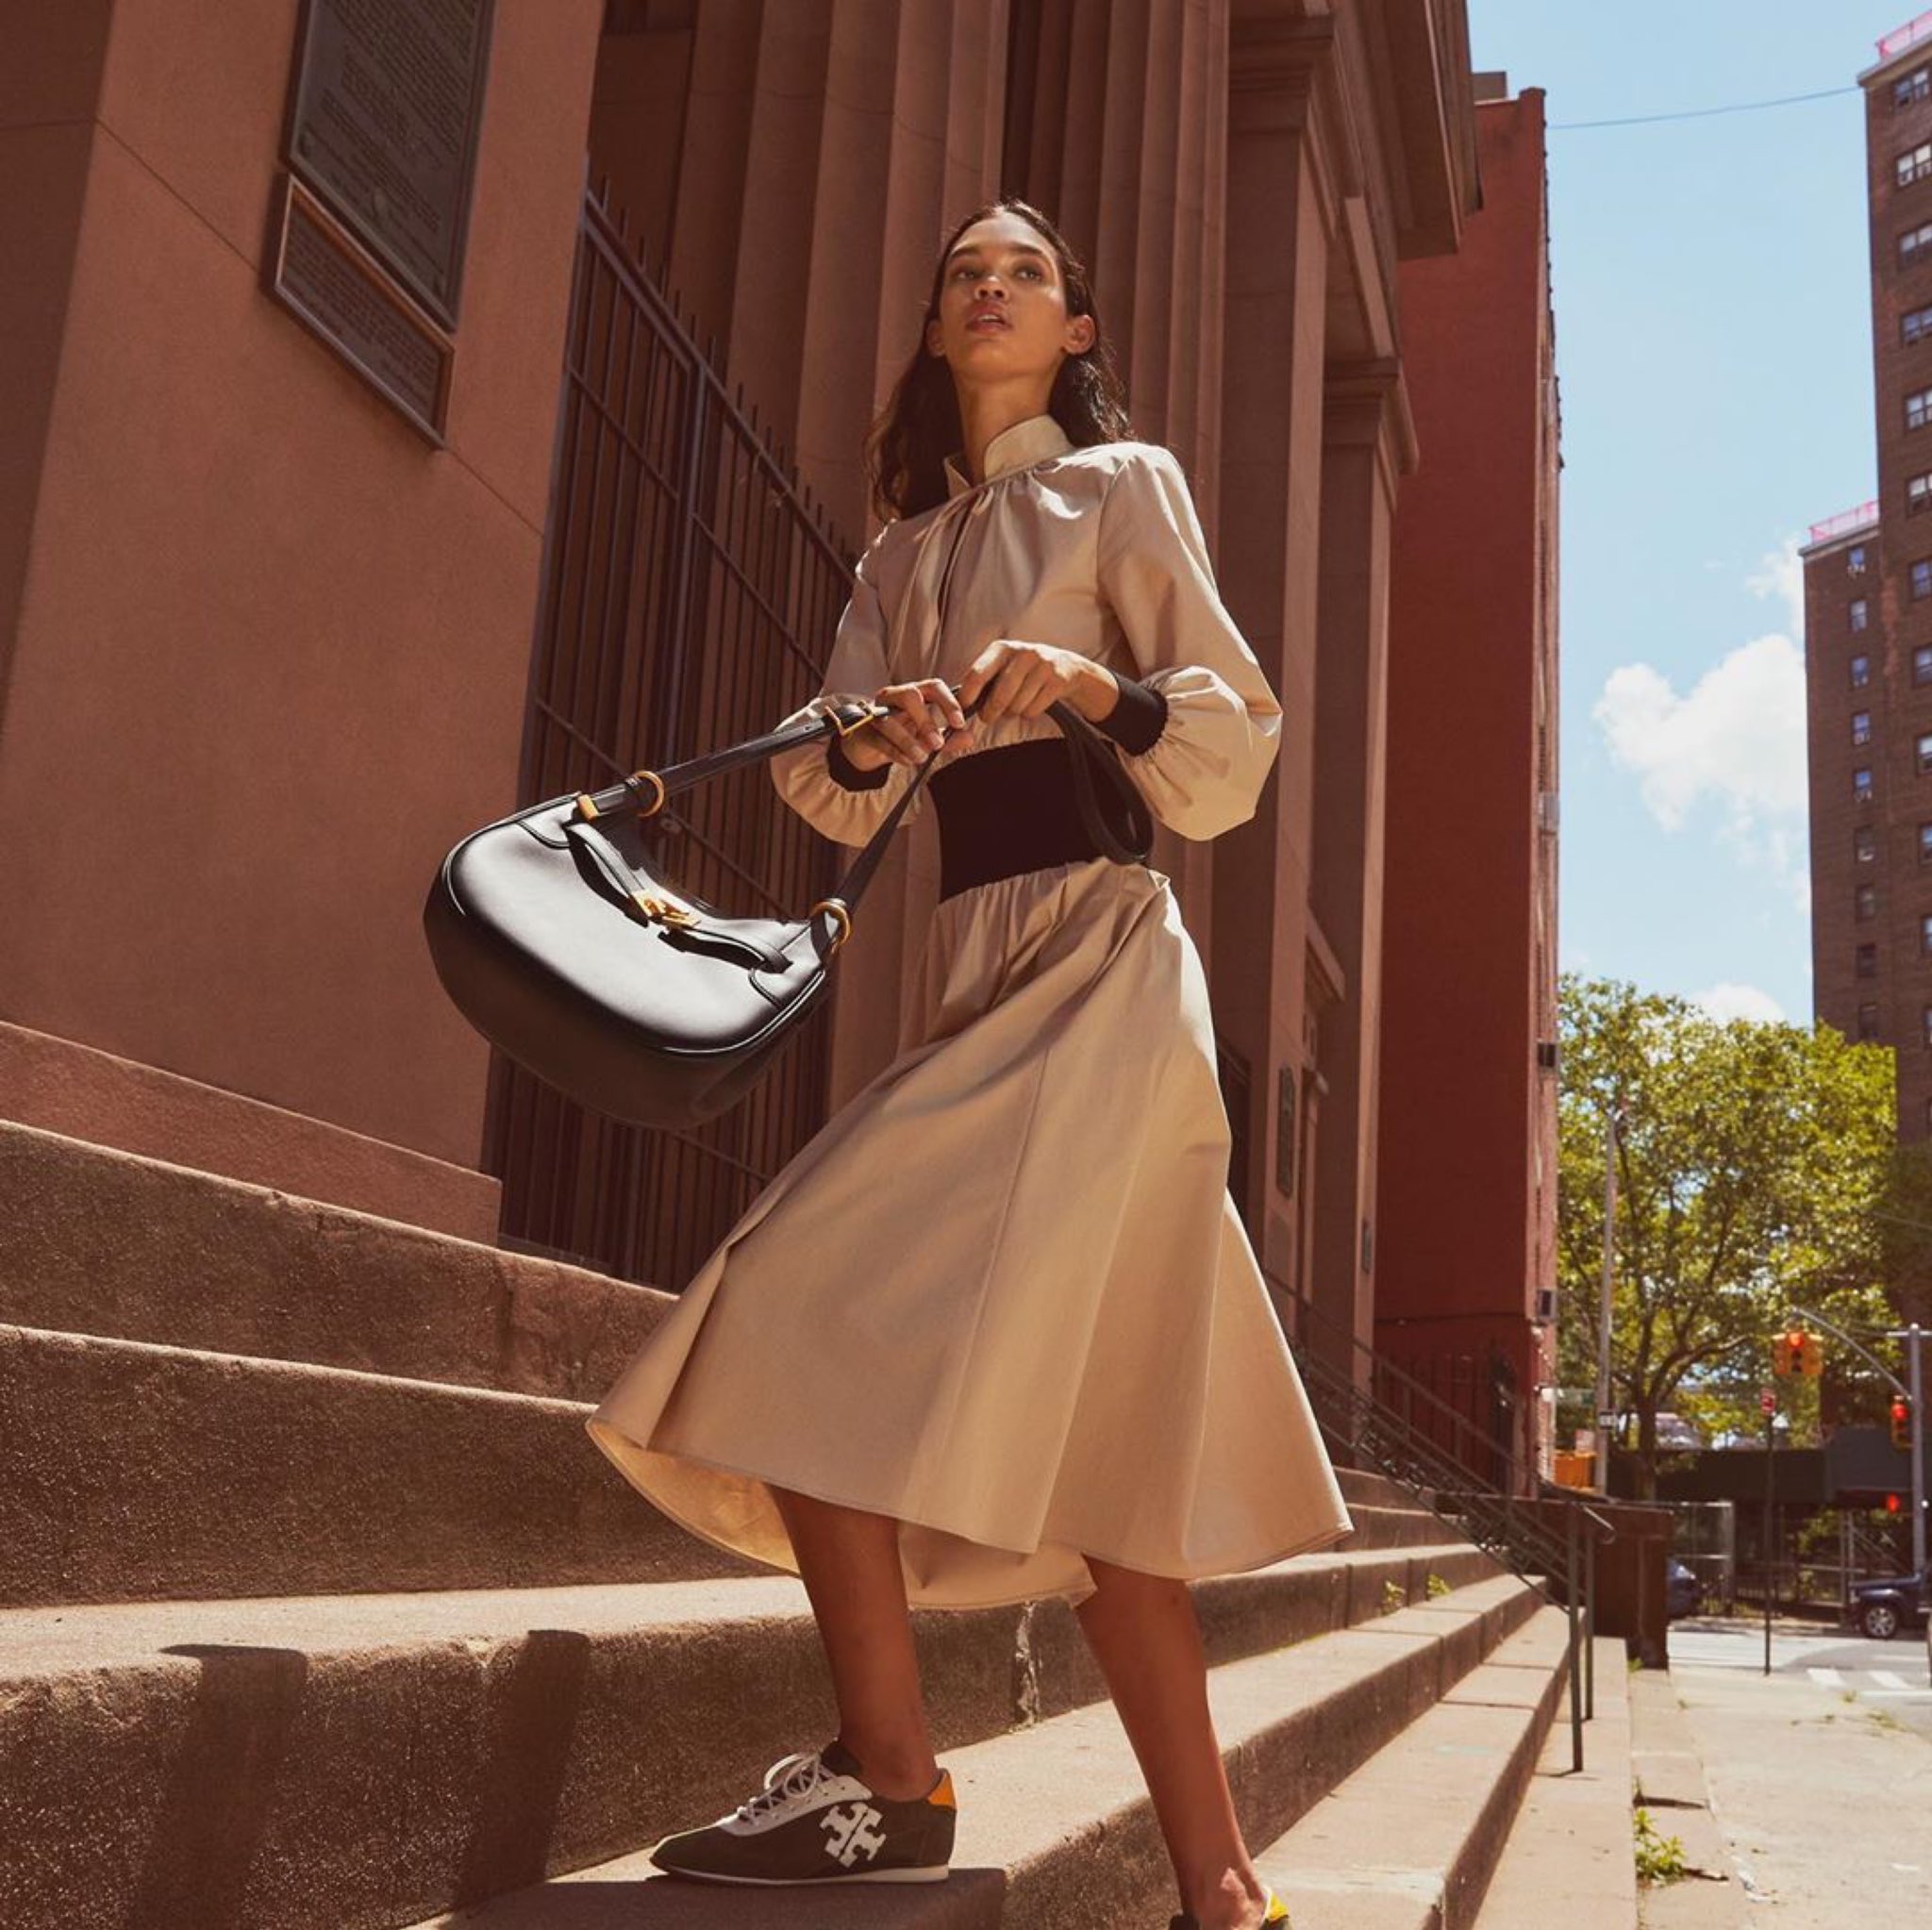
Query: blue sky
{"x":1713,"y":341}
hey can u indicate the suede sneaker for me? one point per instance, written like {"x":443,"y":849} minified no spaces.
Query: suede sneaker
{"x":1277,"y":1913}
{"x":816,"y":1821}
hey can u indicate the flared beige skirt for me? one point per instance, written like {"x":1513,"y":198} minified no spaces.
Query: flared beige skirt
{"x":1003,"y":1296}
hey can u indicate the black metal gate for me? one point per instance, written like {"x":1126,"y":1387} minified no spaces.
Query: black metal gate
{"x":691,"y":590}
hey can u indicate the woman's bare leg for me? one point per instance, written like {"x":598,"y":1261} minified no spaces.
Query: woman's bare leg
{"x":1146,"y":1638}
{"x":849,"y":1562}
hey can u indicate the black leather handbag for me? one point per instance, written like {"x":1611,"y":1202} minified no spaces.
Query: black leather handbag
{"x":566,"y":944}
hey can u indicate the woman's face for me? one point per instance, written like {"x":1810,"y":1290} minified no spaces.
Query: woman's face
{"x":1003,"y":306}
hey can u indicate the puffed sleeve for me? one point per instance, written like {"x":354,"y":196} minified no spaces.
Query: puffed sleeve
{"x":1203,"y":771}
{"x":818,"y":782}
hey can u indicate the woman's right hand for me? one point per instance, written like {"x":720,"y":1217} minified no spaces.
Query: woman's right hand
{"x":922,"y":714}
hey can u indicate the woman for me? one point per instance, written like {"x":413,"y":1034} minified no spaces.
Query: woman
{"x":996,"y":1332}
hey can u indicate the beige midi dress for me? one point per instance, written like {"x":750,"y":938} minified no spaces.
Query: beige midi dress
{"x":1002,"y":1295}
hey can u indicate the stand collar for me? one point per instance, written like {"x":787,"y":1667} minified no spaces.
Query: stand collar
{"x":1018,"y":446}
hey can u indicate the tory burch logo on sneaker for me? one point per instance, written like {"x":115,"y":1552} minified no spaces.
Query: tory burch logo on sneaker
{"x":852,"y":1829}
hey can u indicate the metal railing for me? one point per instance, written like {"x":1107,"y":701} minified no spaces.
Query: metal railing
{"x":1909,"y":35}
{"x":1864,"y":516}
{"x":692,"y":592}
{"x":1363,"y":1425}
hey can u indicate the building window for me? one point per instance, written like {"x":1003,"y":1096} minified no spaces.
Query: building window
{"x":1915,"y":325}
{"x":1925,"y":933}
{"x":1865,"y":844}
{"x":1868,"y":961}
{"x":1915,"y":244}
{"x":1919,"y":495}
{"x":1915,"y":163}
{"x":1925,"y":1024}
{"x":1862,"y":671}
{"x":1922,"y":664}
{"x":1924,"y":752}
{"x":1855,"y":561}
{"x":1862,"y":786}
{"x":1926,"y":843}
{"x":1868,"y":1023}
{"x":1865,"y":903}
{"x":1858,"y":613}
{"x":1915,"y":86}
{"x":1918,"y":408}
{"x":1861,"y":731}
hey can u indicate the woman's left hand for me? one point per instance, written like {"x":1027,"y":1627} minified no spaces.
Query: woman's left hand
{"x":1028,"y":679}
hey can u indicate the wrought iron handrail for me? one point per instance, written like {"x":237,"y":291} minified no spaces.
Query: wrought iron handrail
{"x":1562,"y":1568}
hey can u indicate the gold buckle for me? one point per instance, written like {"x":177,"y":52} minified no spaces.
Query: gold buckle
{"x":873,"y":713}
{"x":665,"y":910}
{"x":840,"y":910}
{"x":586,"y":805}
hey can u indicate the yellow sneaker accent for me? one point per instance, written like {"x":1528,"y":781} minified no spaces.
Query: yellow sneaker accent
{"x":941,"y":1792}
{"x":1277,"y":1910}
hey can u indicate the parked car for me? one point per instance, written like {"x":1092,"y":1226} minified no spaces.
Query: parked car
{"x":1683,"y":1591}
{"x":1880,"y":1609}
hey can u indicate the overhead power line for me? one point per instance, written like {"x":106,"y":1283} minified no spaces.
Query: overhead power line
{"x":1704,"y":113}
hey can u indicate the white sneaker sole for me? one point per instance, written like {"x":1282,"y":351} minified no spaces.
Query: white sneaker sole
{"x":930,"y":1875}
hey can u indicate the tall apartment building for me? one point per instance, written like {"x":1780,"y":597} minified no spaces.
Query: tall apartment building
{"x":1868,"y":628}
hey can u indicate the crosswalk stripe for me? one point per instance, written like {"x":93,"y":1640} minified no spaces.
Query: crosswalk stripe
{"x":1885,"y":1678}
{"x":1826,"y":1678}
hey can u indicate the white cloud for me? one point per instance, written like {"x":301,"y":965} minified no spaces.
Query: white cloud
{"x":1737,"y":739}
{"x":1726,"y":1002}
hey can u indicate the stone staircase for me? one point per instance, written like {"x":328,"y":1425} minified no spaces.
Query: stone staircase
{"x":318,"y":1609}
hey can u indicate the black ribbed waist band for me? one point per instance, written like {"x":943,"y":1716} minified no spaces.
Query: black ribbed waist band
{"x":1007,"y":810}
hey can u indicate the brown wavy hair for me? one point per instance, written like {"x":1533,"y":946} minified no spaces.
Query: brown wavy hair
{"x":919,"y":427}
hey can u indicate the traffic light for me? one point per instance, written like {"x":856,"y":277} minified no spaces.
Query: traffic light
{"x":1901,"y":1422}
{"x":1892,"y":1505}
{"x":1794,"y":1351}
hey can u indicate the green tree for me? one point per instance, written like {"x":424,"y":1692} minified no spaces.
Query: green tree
{"x":1750,"y":1157}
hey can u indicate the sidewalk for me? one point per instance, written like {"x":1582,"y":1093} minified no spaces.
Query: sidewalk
{"x":1813,"y":1803}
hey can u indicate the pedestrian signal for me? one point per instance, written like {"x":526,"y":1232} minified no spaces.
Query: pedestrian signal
{"x":1901,"y":1422}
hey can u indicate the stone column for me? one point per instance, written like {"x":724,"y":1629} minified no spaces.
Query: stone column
{"x":1280,"y":224}
{"x":1365,"y":441}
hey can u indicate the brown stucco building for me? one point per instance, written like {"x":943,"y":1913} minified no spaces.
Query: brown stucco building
{"x":272,"y":648}
{"x":1466,"y":1263}
{"x":1868,"y":628}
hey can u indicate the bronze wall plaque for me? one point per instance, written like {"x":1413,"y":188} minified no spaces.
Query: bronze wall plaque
{"x":319,"y":273}
{"x":387,"y":99}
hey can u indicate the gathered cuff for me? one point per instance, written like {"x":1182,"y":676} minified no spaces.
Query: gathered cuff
{"x":1137,"y":720}
{"x":846,"y":774}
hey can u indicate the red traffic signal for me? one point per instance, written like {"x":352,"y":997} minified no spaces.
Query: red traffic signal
{"x":1901,"y":1422}
{"x":1797,"y":1352}
{"x":1891,"y":1504}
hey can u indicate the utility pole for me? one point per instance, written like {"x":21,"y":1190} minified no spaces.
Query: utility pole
{"x":1912,"y":1336}
{"x":1606,"y":1414}
{"x":1768,"y":1401}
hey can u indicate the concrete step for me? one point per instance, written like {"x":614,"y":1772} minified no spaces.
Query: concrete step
{"x":373,"y":1758}
{"x":117,"y":1246}
{"x":228,"y":1476}
{"x":98,"y":1241}
{"x":1569,"y":1857}
{"x":1409,"y":1840}
{"x":1055,"y":1831}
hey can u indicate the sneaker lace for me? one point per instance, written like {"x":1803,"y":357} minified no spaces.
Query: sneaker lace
{"x":789,"y":1778}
